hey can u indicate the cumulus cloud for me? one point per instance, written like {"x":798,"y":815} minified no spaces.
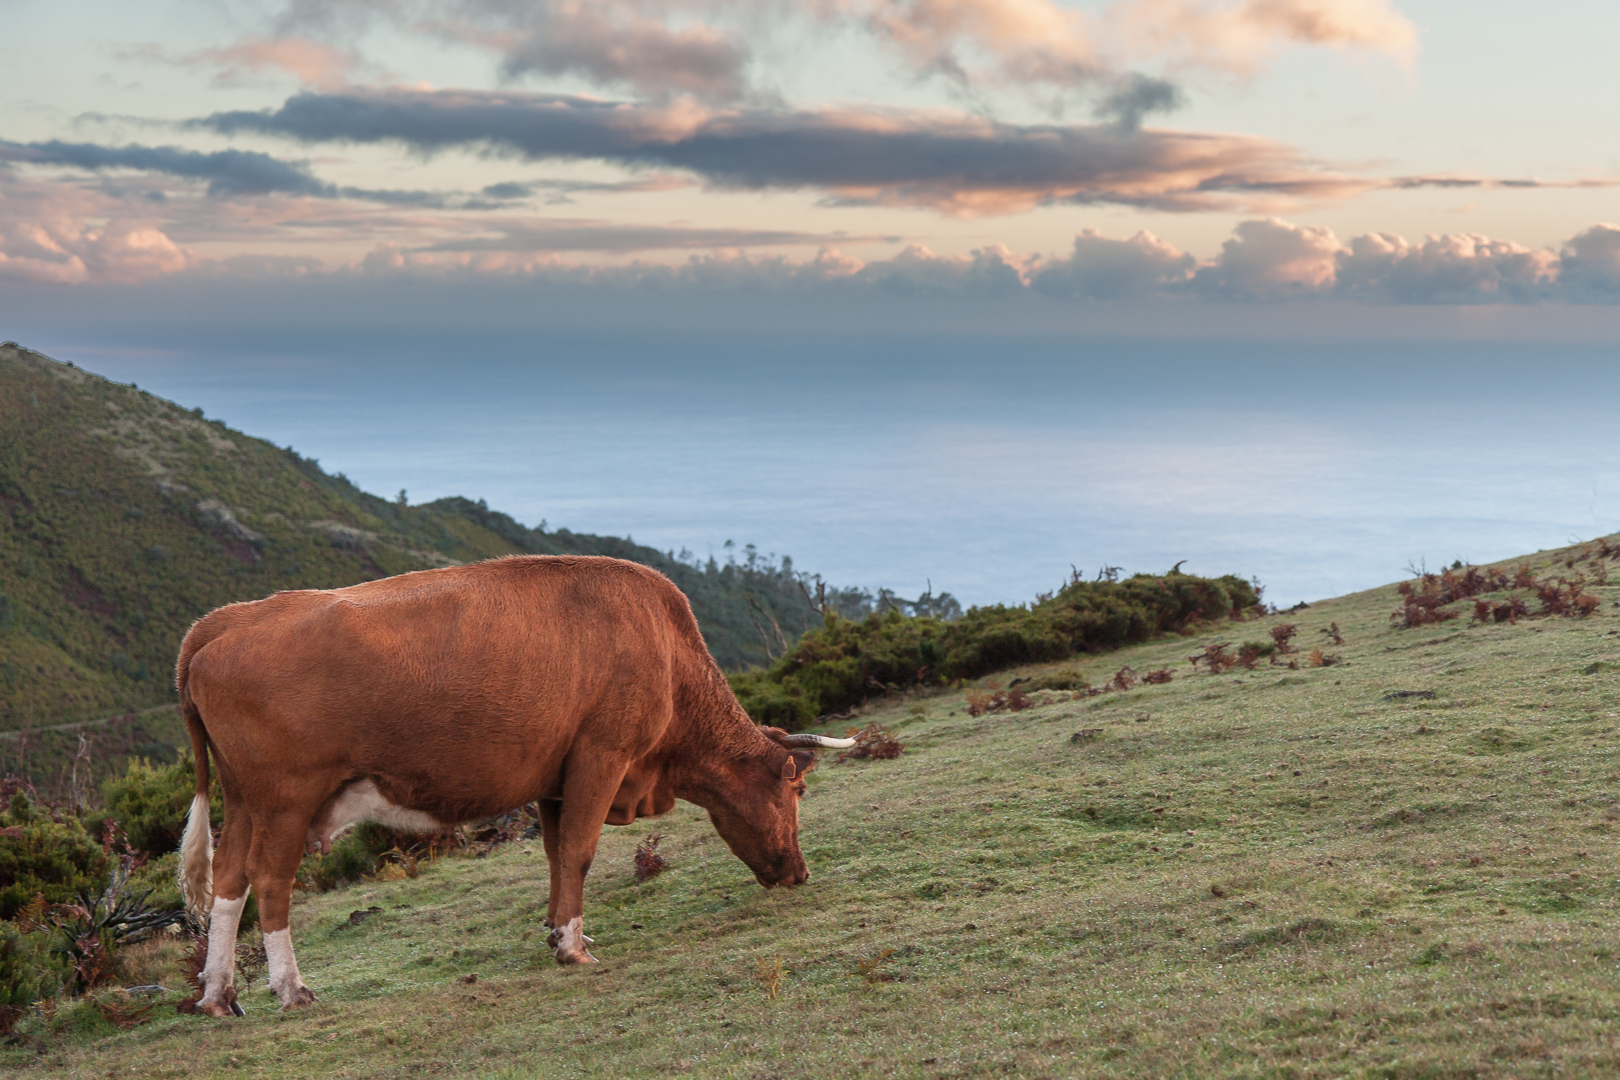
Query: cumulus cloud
{"x":1104,"y":269}
{"x":119,"y":251}
{"x":949,"y":161}
{"x":1461,"y":268}
{"x":1589,"y":264}
{"x":1271,"y":260}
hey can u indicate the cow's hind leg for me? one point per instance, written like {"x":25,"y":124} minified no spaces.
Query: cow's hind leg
{"x":230,"y":896}
{"x":278,"y":845}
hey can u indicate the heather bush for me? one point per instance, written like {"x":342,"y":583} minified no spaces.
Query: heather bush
{"x":150,"y":803}
{"x":839,"y":664}
{"x":29,"y":969}
{"x":45,"y":853}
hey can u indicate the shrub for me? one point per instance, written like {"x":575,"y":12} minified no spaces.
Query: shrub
{"x":841,"y":663}
{"x":873,"y":741}
{"x":29,"y":969}
{"x":1059,"y":680}
{"x":45,"y":853}
{"x":151,"y":803}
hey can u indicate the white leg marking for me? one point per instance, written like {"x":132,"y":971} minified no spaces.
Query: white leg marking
{"x":571,"y":939}
{"x":285,"y":980}
{"x":220,"y":970}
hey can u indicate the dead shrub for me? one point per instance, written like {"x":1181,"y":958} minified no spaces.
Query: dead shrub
{"x":648,"y":862}
{"x":1124,"y":679}
{"x":874,"y":742}
{"x":1282,"y":634}
{"x":1161,"y":675}
{"x":1318,"y":658}
{"x":870,"y":968}
{"x":1014,"y":700}
{"x":1333,"y":635}
{"x":1214,"y":659}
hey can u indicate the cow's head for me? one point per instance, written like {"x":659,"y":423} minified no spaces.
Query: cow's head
{"x":759,"y":817}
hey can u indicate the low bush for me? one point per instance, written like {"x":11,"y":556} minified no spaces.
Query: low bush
{"x":45,"y":852}
{"x":29,"y":969}
{"x":838,"y":665}
{"x":151,"y":802}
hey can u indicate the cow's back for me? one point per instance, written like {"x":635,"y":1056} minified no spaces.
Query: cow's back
{"x":472,"y":683}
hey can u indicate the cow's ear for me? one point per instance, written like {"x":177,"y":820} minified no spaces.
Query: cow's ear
{"x":798,"y":763}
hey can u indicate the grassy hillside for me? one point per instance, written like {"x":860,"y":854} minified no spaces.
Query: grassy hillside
{"x":1280,"y":872}
{"x":123,"y":517}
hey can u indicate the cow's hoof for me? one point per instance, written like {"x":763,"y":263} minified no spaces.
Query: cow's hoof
{"x":225,"y":1006}
{"x":577,"y":956}
{"x":298,"y":999}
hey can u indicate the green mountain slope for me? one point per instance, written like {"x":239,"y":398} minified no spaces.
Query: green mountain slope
{"x":123,"y":517}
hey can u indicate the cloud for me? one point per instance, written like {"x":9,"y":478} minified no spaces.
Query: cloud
{"x":1462,"y":268}
{"x":229,"y":173}
{"x":612,"y":47}
{"x":559,"y":191}
{"x":1271,"y":260}
{"x":1589,"y":265}
{"x":1104,"y":269}
{"x":312,"y":63}
{"x":545,"y":235}
{"x":120,"y":251}
{"x":948,"y":161}
{"x":1134,"y":97}
{"x":711,"y":48}
{"x":1241,"y":37}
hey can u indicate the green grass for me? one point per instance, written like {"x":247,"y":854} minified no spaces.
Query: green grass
{"x":1270,"y":874}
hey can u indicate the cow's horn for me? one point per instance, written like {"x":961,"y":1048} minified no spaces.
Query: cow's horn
{"x":818,"y":740}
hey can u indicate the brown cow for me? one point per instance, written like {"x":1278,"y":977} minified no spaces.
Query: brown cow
{"x":439,"y":697}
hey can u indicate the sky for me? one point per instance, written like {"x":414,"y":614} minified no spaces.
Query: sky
{"x":1427,"y":152}
{"x":958,"y":292}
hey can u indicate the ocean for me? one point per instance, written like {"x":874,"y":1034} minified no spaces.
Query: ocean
{"x":989,"y":467}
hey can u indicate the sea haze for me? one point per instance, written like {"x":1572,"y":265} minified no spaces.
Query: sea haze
{"x":986,"y":466}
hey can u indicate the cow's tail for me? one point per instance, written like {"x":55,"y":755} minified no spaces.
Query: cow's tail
{"x":197,"y":844}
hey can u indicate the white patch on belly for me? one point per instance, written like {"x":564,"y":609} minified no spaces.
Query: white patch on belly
{"x":361,"y":801}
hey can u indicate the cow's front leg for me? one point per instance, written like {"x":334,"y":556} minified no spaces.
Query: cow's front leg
{"x":550,"y":832}
{"x":587,"y":797}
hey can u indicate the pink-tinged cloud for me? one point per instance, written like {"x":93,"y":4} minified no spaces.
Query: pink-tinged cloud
{"x":1271,"y":260}
{"x":1242,"y":37}
{"x":614,"y":47}
{"x":999,"y":41}
{"x":313,"y":63}
{"x":947,"y":161}
{"x":710,"y":48}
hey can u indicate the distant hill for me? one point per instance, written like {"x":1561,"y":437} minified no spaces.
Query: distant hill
{"x":123,"y":517}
